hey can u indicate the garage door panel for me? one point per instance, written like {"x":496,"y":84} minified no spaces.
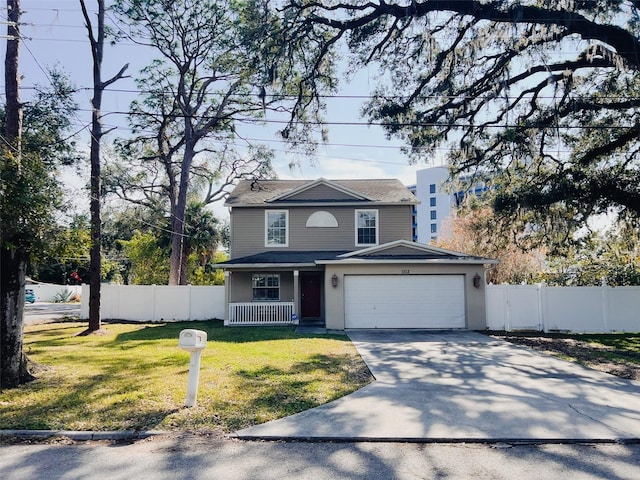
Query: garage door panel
{"x":414,"y":301}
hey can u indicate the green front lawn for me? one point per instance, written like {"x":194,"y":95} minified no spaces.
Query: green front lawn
{"x":134,"y":377}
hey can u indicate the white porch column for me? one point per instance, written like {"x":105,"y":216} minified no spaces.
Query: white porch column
{"x":296,"y":292}
{"x":227,"y":296}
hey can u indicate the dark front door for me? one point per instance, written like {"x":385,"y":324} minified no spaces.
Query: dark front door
{"x":311,"y":292}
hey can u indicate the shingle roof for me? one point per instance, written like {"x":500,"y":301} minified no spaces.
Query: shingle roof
{"x":250,"y":192}
{"x":283,"y":258}
{"x":286,"y":258}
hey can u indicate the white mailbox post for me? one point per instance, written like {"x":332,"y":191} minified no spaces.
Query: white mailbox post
{"x":193,"y":341}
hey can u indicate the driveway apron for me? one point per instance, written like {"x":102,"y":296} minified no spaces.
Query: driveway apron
{"x":465,"y":386}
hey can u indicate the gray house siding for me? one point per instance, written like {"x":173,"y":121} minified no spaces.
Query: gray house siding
{"x":247,"y":228}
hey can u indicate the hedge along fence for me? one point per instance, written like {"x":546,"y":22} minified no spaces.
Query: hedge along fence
{"x":157,"y":303}
{"x":539,"y":307}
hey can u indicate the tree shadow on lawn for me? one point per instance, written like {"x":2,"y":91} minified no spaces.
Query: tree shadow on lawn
{"x":216,"y":331}
{"x":112,"y":398}
{"x":280,"y":392}
{"x":114,"y":394}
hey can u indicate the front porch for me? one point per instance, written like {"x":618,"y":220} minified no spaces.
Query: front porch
{"x":275,"y":297}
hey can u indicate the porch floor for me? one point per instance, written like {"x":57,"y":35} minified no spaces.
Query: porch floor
{"x":312,"y":322}
{"x":311,"y":325}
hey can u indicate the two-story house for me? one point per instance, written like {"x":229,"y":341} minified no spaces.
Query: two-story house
{"x":340,"y":252}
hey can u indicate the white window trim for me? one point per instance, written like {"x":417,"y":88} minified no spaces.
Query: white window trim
{"x":266,"y":229}
{"x":377,"y":227}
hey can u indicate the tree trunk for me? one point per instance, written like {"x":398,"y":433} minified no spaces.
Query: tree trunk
{"x":184,"y":263}
{"x":13,"y":362}
{"x":95,"y":265}
{"x":13,"y":110}
{"x":13,"y":260}
{"x":176,"y":275}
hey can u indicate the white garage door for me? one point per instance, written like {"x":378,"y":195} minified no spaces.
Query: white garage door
{"x":404,"y":301}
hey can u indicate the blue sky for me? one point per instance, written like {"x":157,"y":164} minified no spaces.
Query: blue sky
{"x":54,"y":34}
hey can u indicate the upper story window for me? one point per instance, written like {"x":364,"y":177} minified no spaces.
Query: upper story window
{"x":366,"y":227}
{"x":276,"y":228}
{"x":432,"y":188}
{"x":434,"y":215}
{"x":432,"y":202}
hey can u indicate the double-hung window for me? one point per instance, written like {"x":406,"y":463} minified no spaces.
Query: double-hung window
{"x":366,"y":227}
{"x":276,"y":228}
{"x":266,"y":287}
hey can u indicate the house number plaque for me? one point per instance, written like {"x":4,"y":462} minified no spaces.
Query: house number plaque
{"x":405,"y":272}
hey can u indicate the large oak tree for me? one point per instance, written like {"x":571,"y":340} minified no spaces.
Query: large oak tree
{"x":216,"y":70}
{"x":542,"y":95}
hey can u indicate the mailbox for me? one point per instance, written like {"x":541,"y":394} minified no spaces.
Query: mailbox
{"x":192,"y":340}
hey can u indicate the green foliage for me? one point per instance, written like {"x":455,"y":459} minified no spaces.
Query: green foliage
{"x":205,"y":274}
{"x":138,"y":241}
{"x":149,"y":261}
{"x":30,"y":194}
{"x":612,"y":258}
{"x":29,"y":197}
{"x":213,"y":72}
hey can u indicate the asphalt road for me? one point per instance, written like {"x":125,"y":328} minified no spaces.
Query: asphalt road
{"x":45,"y":312}
{"x":194,"y":457}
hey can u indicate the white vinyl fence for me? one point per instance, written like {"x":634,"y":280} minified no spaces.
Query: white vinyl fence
{"x":539,"y":307}
{"x":157,"y":303}
{"x":49,"y":292}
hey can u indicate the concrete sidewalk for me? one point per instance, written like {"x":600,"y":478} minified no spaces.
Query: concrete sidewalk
{"x":464,"y":386}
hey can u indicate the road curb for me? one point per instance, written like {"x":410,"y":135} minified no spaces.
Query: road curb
{"x":440,"y":440}
{"x":83,"y":435}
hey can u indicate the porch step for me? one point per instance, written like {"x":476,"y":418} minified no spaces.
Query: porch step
{"x":311,"y":329}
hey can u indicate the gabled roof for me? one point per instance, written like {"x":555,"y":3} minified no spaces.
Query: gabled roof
{"x":402,"y":251}
{"x":304,"y":192}
{"x":332,"y":185}
{"x":403,"y":247}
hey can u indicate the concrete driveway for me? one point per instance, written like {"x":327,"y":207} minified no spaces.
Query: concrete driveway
{"x":464,"y":386}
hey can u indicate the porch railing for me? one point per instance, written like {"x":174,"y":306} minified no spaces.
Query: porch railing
{"x":261,"y":313}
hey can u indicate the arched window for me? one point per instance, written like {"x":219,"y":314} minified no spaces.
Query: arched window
{"x":322,"y":219}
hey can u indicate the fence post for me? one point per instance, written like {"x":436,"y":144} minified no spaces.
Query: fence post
{"x":605,"y":306}
{"x":541,"y":306}
{"x":506,"y":298}
{"x":118,"y":303}
{"x":153,"y":302}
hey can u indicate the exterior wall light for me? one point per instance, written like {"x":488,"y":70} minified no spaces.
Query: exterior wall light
{"x":476,"y":280}
{"x":334,"y":280}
